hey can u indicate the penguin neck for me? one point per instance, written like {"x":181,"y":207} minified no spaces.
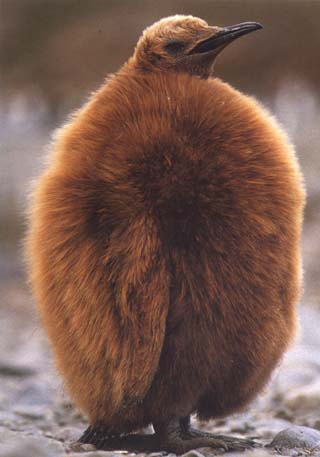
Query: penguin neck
{"x":196,"y":71}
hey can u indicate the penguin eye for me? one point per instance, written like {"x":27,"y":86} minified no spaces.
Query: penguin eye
{"x":174,"y":47}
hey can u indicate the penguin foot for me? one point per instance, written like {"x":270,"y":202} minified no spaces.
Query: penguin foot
{"x":228,"y":443}
{"x":94,"y":434}
{"x":184,"y":438}
{"x":173,"y":444}
{"x":174,"y":437}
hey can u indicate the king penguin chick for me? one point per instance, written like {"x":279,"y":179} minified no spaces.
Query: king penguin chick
{"x":164,"y":245}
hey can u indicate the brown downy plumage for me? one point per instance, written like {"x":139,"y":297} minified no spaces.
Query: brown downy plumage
{"x":164,"y":244}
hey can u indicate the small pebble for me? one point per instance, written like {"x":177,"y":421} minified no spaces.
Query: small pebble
{"x":30,"y":412}
{"x":81,"y":447}
{"x":70,"y":434}
{"x":12,"y":370}
{"x":193,"y":453}
{"x":93,"y":454}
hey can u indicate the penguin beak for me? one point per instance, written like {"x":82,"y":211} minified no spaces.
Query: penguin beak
{"x":223,"y":37}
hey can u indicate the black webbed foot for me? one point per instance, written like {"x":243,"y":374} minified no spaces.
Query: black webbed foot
{"x":176,"y":436}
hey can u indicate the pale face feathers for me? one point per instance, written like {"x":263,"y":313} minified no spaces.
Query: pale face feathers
{"x":167,"y":44}
{"x":185,"y":44}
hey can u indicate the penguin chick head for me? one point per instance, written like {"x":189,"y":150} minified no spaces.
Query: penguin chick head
{"x":185,"y":44}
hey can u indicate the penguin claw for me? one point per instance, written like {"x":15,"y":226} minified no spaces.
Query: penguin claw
{"x":94,"y":434}
{"x":228,"y":442}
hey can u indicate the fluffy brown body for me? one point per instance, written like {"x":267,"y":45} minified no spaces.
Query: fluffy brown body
{"x":164,"y":249}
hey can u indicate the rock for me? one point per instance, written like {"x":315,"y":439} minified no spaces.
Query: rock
{"x":193,"y":453}
{"x":16,"y":444}
{"x":247,"y":453}
{"x":243,"y":427}
{"x":33,"y":393}
{"x":95,"y":453}
{"x":101,"y":454}
{"x":27,"y":449}
{"x":297,"y":437}
{"x":81,"y":447}
{"x":32,"y":412}
{"x":306,"y":398}
{"x":284,"y":413}
{"x":10,"y":369}
{"x":70,"y":434}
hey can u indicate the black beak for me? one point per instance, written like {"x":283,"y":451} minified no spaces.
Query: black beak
{"x":225,"y":36}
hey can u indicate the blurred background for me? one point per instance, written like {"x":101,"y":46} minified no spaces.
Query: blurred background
{"x":54,"y":53}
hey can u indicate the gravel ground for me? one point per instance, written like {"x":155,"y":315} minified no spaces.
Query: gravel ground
{"x":37,"y":419}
